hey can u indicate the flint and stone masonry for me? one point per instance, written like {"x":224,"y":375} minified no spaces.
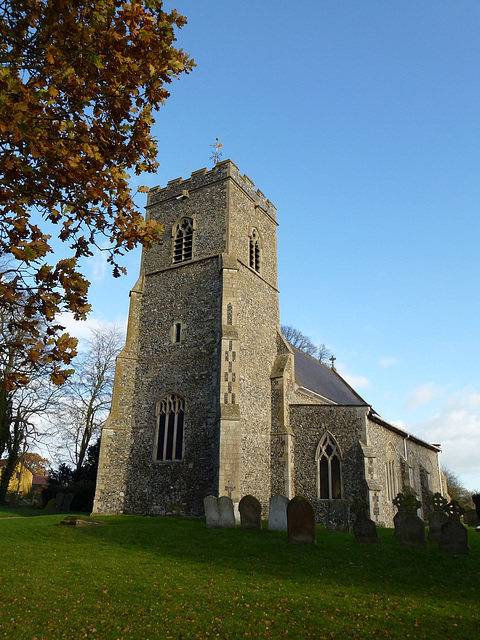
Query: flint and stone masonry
{"x":209,"y":398}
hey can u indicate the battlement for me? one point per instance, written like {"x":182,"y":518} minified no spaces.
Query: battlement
{"x":224,"y":170}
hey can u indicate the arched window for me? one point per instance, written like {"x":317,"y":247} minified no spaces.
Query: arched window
{"x":329,"y":469}
{"x":170,"y":419}
{"x":390,"y":473}
{"x":182,"y":234}
{"x":255,"y":246}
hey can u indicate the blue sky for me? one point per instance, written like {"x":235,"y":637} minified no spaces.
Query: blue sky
{"x":360,"y":122}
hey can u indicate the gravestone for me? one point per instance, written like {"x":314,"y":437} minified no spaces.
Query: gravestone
{"x":400,"y":515}
{"x":277,"y":513}
{"x":435,"y":523}
{"x":438,"y":517}
{"x":225,"y":511}
{"x":470,"y":518}
{"x":58,"y":501}
{"x":454,"y":535}
{"x":364,"y":528}
{"x":212,"y":515}
{"x":337,"y":516}
{"x":67,"y":501}
{"x":365,"y":531}
{"x":300,"y":522}
{"x":50,"y":504}
{"x":250,"y":513}
{"x":412,"y":528}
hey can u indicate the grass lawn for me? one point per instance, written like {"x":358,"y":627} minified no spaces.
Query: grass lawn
{"x":155,"y":578}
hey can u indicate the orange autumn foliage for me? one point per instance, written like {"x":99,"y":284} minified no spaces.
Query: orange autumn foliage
{"x":79,"y":81}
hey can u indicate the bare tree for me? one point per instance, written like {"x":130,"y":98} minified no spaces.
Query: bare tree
{"x":21,"y":404}
{"x":88,"y":393}
{"x":302,"y":342}
{"x":456,"y":490}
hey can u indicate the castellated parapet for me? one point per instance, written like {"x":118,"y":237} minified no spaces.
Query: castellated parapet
{"x":203,"y":177}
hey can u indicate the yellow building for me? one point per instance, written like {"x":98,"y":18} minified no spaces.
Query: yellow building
{"x":21,"y":480}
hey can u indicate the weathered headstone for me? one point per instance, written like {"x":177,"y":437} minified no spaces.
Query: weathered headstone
{"x":400,"y":515}
{"x":470,"y":518}
{"x":476,"y":502}
{"x":365,"y":531}
{"x":67,"y":501}
{"x":250,"y":513}
{"x":300,"y":522}
{"x":412,"y":528}
{"x":50,"y":504}
{"x":364,"y":528}
{"x":219,"y":512}
{"x":58,"y":501}
{"x":225,"y":510}
{"x":437,"y":518}
{"x":212,"y":515}
{"x":435,"y":523}
{"x":337,"y":515}
{"x":454,"y":535}
{"x":277,"y":513}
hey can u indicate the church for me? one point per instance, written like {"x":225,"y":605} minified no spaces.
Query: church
{"x":209,"y":397}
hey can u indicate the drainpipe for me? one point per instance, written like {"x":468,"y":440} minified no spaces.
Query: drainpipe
{"x":406,"y":460}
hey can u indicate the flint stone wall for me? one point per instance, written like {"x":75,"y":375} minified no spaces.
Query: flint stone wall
{"x":310,"y":423}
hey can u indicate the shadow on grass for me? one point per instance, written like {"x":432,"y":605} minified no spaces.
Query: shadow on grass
{"x":336,"y":559}
{"x":22,"y":512}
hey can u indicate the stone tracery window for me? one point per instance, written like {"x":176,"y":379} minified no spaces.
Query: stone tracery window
{"x":390,"y":473}
{"x":170,"y":421}
{"x":182,"y":234}
{"x":329,"y":469}
{"x":255,"y":250}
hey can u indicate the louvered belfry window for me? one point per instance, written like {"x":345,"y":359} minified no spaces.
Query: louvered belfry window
{"x":329,"y":469}
{"x":254,"y":250}
{"x":171,"y":417}
{"x":183,"y":240}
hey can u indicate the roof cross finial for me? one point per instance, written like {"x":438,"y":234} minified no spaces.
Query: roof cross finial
{"x":332,"y":360}
{"x":217,"y":154}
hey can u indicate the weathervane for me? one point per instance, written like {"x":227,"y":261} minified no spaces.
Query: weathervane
{"x":217,"y":154}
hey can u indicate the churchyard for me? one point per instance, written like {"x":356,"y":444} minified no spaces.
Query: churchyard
{"x":151,"y":578}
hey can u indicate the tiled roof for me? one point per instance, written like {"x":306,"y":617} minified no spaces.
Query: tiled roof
{"x":322,"y":380}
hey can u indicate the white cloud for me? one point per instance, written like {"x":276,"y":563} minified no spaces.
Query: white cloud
{"x":456,"y":427}
{"x":424,"y":394}
{"x":356,"y":382}
{"x":388,"y":362}
{"x":82,"y":329}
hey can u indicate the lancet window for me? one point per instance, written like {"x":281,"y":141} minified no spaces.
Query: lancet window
{"x":182,"y":234}
{"x":329,"y":469}
{"x":171,"y":418}
{"x":390,"y":473}
{"x":255,"y":250}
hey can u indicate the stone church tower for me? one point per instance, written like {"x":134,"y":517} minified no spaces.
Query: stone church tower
{"x":209,"y":398}
{"x":191,"y":411}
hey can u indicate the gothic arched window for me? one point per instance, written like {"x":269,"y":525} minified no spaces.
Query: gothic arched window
{"x":390,"y":473}
{"x":170,"y":420}
{"x":329,"y":469}
{"x":255,"y":247}
{"x":182,"y":234}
